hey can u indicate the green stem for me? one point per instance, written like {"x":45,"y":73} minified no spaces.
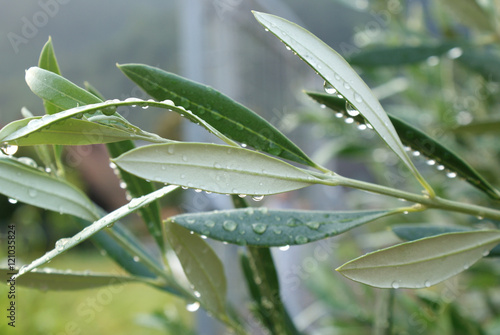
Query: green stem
{"x":425,"y":200}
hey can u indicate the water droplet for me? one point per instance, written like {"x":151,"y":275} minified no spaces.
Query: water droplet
{"x":395,"y":284}
{"x":257,"y":197}
{"x":136,"y":202}
{"x":229,"y":225}
{"x":313,"y":225}
{"x":405,"y":212}
{"x":486,"y":253}
{"x":440,"y":167}
{"x":61,"y":243}
{"x":184,"y":158}
{"x":242,"y":195}
{"x":284,"y":248}
{"x":427,"y":283}
{"x":351,"y":110}
{"x":243,"y":145}
{"x":145,"y":107}
{"x":216,"y":115}
{"x":433,"y":60}
{"x":136,"y":259}
{"x":277,"y":231}
{"x":9,"y":150}
{"x":288,"y":48}
{"x":339,"y":115}
{"x":362,"y":126}
{"x":416,"y":153}
{"x":123,"y":185}
{"x":193,"y":307}
{"x":197,"y":294}
{"x":479,"y":217}
{"x":197,"y":190}
{"x":466,"y":266}
{"x":259,"y":228}
{"x":431,"y":162}
{"x":13,"y":201}
{"x":32,"y":192}
{"x":329,"y":88}
{"x":451,"y":174}
{"x":346,"y":85}
{"x":454,"y":53}
{"x":27,"y":161}
{"x":48,"y":170}
{"x":349,"y":120}
{"x":301,"y":239}
{"x":210,"y":223}
{"x":203,"y":237}
{"x":357,"y":97}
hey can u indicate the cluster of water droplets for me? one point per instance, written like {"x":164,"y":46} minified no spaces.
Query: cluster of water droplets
{"x":352,"y":114}
{"x":431,"y":162}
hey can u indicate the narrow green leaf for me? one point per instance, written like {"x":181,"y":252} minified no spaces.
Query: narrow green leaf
{"x":421,"y":263}
{"x":384,"y":55}
{"x":268,"y":227}
{"x":38,"y":124}
{"x":201,"y":265}
{"x":337,"y":73}
{"x":60,"y":280}
{"x":104,"y":222}
{"x":491,"y":127}
{"x":485,"y":61}
{"x":59,"y":91}
{"x":224,"y":114}
{"x":32,"y":186}
{"x":421,"y":142}
{"x":214,"y":168}
{"x":415,"y":232}
{"x":68,"y":132}
{"x":48,"y":62}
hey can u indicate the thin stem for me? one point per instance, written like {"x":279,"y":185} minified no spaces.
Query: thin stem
{"x":425,"y":200}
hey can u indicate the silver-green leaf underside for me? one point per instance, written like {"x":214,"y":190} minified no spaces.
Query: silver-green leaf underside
{"x":61,"y":280}
{"x":32,"y":186}
{"x":70,"y":132}
{"x":271,"y":228}
{"x":421,"y":263}
{"x":201,"y":265}
{"x":38,"y":124}
{"x":337,"y":72}
{"x":214,"y":168}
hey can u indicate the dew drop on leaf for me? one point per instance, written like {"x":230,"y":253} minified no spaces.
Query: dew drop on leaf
{"x":431,"y":162}
{"x":339,"y":115}
{"x":313,"y":225}
{"x":9,"y":150}
{"x":395,"y":284}
{"x":427,"y":283}
{"x":210,"y":223}
{"x":301,"y":239}
{"x":229,"y":225}
{"x":257,"y":197}
{"x":259,"y":228}
{"x":284,"y":248}
{"x":32,"y":192}
{"x":329,"y":88}
{"x":451,"y":174}
{"x":193,"y":307}
{"x":136,"y":259}
{"x":13,"y":201}
{"x":351,"y":110}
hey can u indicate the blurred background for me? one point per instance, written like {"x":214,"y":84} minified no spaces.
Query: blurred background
{"x":219,"y":43}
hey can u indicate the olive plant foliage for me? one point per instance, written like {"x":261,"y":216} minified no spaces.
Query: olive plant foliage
{"x":256,"y":160}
